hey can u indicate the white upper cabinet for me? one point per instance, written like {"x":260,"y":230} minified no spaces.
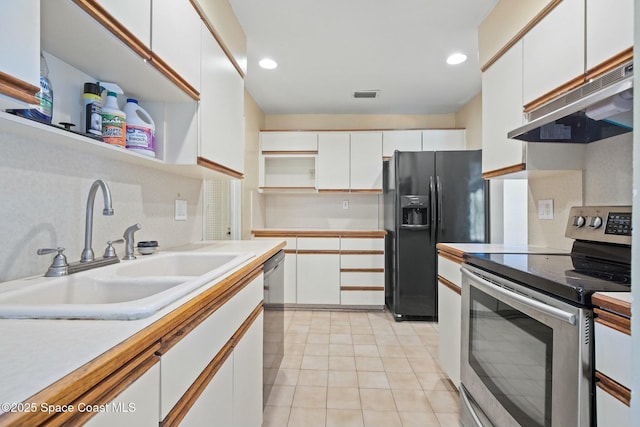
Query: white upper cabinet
{"x":20,"y":46}
{"x":502,"y":111}
{"x":175,"y":37}
{"x":443,"y":139}
{"x":288,"y":141}
{"x":333,"y":161}
{"x":401,"y":140}
{"x":221,"y":112}
{"x":134,"y":15}
{"x":554,"y":50}
{"x":609,"y":29}
{"x":366,"y":161}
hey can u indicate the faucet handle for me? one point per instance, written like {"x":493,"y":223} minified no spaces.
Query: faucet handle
{"x":110,"y":252}
{"x":59,"y":265}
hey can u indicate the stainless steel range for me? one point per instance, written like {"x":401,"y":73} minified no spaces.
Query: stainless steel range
{"x":527,"y":320}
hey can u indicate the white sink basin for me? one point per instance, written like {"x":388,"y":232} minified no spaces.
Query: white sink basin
{"x":128,"y":290}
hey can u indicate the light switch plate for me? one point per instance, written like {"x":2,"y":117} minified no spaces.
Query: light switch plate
{"x":345,"y":204}
{"x":545,"y":209}
{"x":181,"y":210}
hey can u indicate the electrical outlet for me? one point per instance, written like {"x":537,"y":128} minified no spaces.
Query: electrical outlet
{"x":345,"y":204}
{"x":312,"y":174}
{"x":180,"y":210}
{"x":545,"y":209}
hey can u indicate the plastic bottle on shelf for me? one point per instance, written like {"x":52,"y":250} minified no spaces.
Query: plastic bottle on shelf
{"x":140,"y":129}
{"x":43,"y":111}
{"x":114,"y":122}
{"x":92,"y":109}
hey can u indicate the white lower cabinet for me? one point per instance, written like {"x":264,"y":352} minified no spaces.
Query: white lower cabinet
{"x":362,"y":271}
{"x":136,"y":406}
{"x":449,"y":317}
{"x":216,"y":402}
{"x":610,"y":411}
{"x":247,"y":378}
{"x":318,"y":270}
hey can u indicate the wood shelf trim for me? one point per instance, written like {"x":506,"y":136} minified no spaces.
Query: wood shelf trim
{"x":366,"y":190}
{"x":504,"y":171}
{"x":333,"y":190}
{"x":455,"y":288}
{"x":612,"y":304}
{"x":354,"y":234}
{"x":173,"y":75}
{"x":182,"y":407}
{"x":362,"y":270}
{"x":515,"y":39}
{"x":362,"y":288}
{"x":18,"y":89}
{"x":318,"y":252}
{"x":289,"y":188}
{"x":614,"y":321}
{"x":292,"y":152}
{"x":361,"y":252}
{"x":611,"y":63}
{"x":78,"y":382}
{"x":355,"y":130}
{"x":613,"y":388}
{"x":210,"y":164}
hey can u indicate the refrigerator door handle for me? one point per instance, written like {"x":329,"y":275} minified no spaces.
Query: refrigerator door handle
{"x":438,"y":208}
{"x":432,"y":199}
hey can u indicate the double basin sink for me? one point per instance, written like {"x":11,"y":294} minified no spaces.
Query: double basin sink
{"x":125,"y":291}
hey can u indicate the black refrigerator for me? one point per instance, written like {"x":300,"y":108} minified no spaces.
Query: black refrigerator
{"x":429,"y":197}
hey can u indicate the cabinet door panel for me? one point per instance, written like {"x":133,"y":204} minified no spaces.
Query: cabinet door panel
{"x":134,"y":15}
{"x":402,"y":140}
{"x":554,"y":50}
{"x":175,"y":37}
{"x":221,"y":107}
{"x":318,"y":279}
{"x":443,"y":139}
{"x":366,"y":161}
{"x":247,"y":378}
{"x":333,"y":161}
{"x":288,"y":141}
{"x":215,"y":404}
{"x":449,"y":324}
{"x":20,"y":56}
{"x":609,"y":29}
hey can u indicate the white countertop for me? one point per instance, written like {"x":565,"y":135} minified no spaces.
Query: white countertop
{"x":502,"y":248}
{"x":35,"y":353}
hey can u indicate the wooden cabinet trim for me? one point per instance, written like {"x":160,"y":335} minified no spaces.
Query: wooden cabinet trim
{"x":351,"y":234}
{"x":611,"y":63}
{"x":362,"y":270}
{"x":183,"y":406}
{"x":18,"y":89}
{"x":515,"y":39}
{"x":560,"y":90}
{"x":318,"y":252}
{"x":504,"y":171}
{"x":612,"y":304}
{"x":455,"y":288}
{"x":451,"y":257}
{"x":333,"y":190}
{"x":361,"y":252}
{"x":614,"y":321}
{"x":366,"y":190}
{"x":613,"y":388}
{"x":355,"y":130}
{"x":289,"y":152}
{"x":172,"y":75}
{"x":210,"y":164}
{"x":362,"y":288}
{"x":70,"y":387}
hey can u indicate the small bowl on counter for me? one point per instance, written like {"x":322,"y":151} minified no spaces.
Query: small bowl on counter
{"x":147,"y":247}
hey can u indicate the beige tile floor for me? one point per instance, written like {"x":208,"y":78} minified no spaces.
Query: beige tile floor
{"x":348,"y":369}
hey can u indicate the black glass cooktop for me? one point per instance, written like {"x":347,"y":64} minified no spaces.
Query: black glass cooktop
{"x":571,"y":277}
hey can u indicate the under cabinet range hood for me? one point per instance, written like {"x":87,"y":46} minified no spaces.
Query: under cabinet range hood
{"x":599,"y":109}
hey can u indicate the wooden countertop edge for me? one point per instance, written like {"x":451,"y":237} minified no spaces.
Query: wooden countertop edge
{"x":320,"y":233}
{"x":73,"y":385}
{"x":450,"y":251}
{"x":611,"y":304}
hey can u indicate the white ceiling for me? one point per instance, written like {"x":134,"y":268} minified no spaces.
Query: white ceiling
{"x":326,"y":49}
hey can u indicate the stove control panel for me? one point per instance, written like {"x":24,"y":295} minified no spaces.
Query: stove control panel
{"x":608,"y":224}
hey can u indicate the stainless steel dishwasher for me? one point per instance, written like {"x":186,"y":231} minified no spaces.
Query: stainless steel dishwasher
{"x":273,"y":320}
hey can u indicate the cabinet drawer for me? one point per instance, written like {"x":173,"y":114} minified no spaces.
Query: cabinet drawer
{"x":450,"y":270}
{"x":318,"y":243}
{"x":361,"y":261}
{"x":290,"y":241}
{"x":611,"y":411}
{"x":182,"y":364}
{"x":357,"y":297}
{"x":367,"y":244}
{"x":289,"y":141}
{"x":361,"y":279}
{"x":616,"y":364}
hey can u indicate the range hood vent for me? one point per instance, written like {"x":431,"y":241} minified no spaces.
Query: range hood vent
{"x":366,"y":94}
{"x":599,"y":109}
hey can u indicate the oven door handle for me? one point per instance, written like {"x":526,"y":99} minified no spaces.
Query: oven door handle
{"x":554,"y":312}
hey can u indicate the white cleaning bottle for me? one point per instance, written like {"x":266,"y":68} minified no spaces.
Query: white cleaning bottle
{"x":140,"y":129}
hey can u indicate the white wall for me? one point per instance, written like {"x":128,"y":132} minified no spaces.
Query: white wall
{"x":44,"y":194}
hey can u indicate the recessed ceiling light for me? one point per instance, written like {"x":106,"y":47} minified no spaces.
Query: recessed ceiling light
{"x":456,"y":58}
{"x":268,"y":63}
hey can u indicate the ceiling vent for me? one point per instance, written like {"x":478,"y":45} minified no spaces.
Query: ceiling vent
{"x":366,"y":94}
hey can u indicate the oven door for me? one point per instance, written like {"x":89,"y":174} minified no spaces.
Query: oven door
{"x":525,"y":356}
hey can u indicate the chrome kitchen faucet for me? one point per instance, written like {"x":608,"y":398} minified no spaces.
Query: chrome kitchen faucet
{"x":87,"y":252}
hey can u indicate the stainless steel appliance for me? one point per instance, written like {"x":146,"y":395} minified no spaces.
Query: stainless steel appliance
{"x":527,"y":319}
{"x":273,"y":346}
{"x":429,"y":197}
